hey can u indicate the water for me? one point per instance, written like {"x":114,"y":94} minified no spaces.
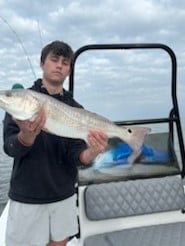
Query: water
{"x":5,"y":171}
{"x":6,"y":166}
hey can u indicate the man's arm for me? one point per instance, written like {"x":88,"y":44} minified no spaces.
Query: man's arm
{"x":30,"y":129}
{"x":19,"y":136}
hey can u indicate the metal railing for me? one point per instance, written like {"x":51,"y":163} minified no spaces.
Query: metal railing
{"x":174,"y":116}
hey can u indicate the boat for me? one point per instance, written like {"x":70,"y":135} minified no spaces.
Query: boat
{"x":117,"y":202}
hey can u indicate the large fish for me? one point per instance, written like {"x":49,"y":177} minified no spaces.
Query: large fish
{"x":66,"y":121}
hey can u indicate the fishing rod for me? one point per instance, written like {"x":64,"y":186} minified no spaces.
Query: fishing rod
{"x":21,"y":43}
{"x":40,"y":35}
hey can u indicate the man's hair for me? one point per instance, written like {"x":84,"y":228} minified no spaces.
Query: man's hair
{"x":58,"y":48}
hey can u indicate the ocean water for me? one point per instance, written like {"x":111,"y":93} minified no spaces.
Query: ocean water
{"x":5,"y":171}
{"x":6,"y":166}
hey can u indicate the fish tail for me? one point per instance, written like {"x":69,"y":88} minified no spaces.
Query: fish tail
{"x":136,"y":140}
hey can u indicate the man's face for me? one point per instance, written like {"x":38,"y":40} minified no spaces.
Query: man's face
{"x":55,"y":68}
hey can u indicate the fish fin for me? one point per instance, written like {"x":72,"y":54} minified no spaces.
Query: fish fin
{"x":135,"y":154}
{"x":136,"y":141}
{"x":33,"y":117}
{"x":114,"y":142}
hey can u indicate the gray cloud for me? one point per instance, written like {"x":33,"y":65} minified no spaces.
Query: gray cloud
{"x":26,"y":25}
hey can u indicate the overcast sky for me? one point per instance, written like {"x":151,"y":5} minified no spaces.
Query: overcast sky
{"x":122,"y":84}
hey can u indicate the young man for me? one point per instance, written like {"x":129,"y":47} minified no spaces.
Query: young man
{"x":42,"y":188}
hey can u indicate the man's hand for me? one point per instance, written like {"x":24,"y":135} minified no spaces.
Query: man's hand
{"x":29,"y":129}
{"x":97,"y":142}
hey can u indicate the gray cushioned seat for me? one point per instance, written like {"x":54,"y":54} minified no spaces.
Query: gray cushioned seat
{"x":132,"y":198}
{"x":158,"y":235}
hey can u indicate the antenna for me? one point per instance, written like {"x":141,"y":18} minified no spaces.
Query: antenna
{"x":21,"y":43}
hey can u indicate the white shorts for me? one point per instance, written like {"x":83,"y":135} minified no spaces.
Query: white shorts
{"x":36,"y":225}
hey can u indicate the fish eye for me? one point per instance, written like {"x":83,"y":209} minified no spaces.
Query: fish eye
{"x":129,"y":130}
{"x":8,"y":93}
